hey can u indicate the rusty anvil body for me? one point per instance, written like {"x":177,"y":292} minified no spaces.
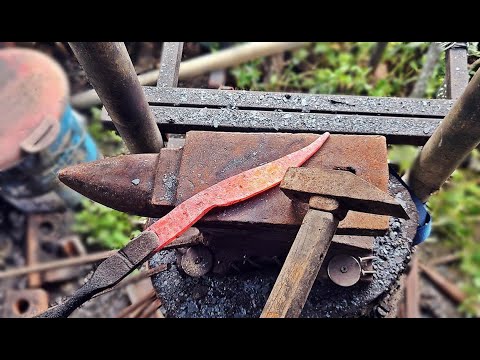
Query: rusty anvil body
{"x":264,"y":226}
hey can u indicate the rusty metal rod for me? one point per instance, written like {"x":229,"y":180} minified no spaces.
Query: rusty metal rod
{"x":147,"y":298}
{"x":32,"y":243}
{"x":412,"y":290}
{"x":112,"y":75}
{"x":447,"y":287}
{"x":57,"y":264}
{"x":456,"y":136}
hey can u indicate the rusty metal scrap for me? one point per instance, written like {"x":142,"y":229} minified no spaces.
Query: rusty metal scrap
{"x":24,"y":303}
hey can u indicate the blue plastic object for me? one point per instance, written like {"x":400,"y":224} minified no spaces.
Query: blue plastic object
{"x":424,"y":227}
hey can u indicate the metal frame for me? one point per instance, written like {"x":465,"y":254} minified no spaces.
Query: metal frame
{"x":401,"y":120}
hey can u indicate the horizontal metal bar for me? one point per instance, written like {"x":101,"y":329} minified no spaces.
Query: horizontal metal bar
{"x":405,"y":130}
{"x":260,"y":100}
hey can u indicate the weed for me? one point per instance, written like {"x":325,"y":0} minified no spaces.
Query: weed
{"x":106,"y":227}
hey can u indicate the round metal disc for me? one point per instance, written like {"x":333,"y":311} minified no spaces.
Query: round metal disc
{"x":33,"y":88}
{"x":197,"y":261}
{"x":344,"y":270}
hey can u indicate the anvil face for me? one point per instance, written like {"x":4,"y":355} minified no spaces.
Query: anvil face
{"x":211,"y":157}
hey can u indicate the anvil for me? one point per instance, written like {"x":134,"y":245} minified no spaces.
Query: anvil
{"x":261,"y":227}
{"x":152,"y":184}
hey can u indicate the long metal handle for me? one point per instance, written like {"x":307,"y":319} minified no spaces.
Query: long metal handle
{"x":301,"y":266}
{"x":111,"y":73}
{"x":456,"y":136}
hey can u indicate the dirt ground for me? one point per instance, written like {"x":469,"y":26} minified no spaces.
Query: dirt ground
{"x":145,"y":56}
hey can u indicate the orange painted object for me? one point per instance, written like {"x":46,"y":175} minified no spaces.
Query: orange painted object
{"x":33,"y":87}
{"x":227,"y":192}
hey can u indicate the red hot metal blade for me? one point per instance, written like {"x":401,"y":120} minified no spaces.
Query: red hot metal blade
{"x":230,"y":191}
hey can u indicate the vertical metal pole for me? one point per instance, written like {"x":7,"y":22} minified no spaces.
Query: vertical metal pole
{"x":456,"y":136}
{"x":456,"y":72}
{"x":170,"y":64}
{"x":111,"y":73}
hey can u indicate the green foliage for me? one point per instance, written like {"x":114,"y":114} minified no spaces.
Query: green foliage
{"x":248,"y":75}
{"x":473,"y":49}
{"x":403,"y":156}
{"x":109,"y":142}
{"x":104,"y":226}
{"x":456,"y":213}
{"x":342,"y":68}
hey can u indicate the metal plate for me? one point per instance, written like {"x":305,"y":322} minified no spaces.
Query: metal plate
{"x":401,"y":120}
{"x":206,"y":162}
{"x":397,"y":129}
{"x":344,"y":270}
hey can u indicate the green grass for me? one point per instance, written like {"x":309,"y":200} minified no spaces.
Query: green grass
{"x":342,"y":68}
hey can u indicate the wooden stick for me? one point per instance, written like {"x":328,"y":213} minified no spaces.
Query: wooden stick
{"x":447,"y":287}
{"x":200,"y":65}
{"x":474,"y":65}
{"x":141,"y":309}
{"x":57,"y":264}
{"x":304,"y":259}
{"x":376,"y":56}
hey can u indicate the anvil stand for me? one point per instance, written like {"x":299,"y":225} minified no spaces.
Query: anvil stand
{"x":401,"y":120}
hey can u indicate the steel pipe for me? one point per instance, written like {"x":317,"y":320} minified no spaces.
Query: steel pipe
{"x":454,"y":138}
{"x":112,"y":75}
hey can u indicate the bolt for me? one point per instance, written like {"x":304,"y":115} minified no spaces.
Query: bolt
{"x":366,"y":258}
{"x":344,"y":269}
{"x":368,"y":272}
{"x":198,"y":260}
